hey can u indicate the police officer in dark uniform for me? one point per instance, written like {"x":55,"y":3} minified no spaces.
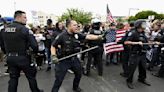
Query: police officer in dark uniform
{"x":69,"y":41}
{"x":16,"y":39}
{"x":125,"y":53}
{"x":96,"y":54}
{"x":137,"y":53}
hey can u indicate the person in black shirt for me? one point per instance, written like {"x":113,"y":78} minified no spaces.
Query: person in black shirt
{"x":69,"y":43}
{"x":49,"y":38}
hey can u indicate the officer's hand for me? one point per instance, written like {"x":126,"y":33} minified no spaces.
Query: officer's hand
{"x":157,"y":43}
{"x":54,"y":59}
{"x":100,"y":37}
{"x":140,"y":43}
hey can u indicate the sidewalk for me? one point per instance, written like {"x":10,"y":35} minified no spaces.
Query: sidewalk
{"x":2,"y":69}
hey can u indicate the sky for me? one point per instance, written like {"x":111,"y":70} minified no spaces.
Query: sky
{"x":57,"y":7}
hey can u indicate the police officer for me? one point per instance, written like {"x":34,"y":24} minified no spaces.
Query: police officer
{"x":96,"y":54}
{"x":16,"y":39}
{"x":137,"y":53}
{"x":125,"y":53}
{"x":69,"y":41}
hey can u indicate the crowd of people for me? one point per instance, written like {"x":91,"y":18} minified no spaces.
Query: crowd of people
{"x":143,"y":47}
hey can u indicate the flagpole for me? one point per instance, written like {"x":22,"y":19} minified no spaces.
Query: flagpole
{"x":109,"y":15}
{"x":131,"y":9}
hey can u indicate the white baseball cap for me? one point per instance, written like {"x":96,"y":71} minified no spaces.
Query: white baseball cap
{"x":95,"y":20}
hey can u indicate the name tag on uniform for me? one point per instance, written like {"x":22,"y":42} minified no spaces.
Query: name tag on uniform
{"x":10,"y":29}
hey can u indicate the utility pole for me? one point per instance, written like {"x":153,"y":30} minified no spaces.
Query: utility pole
{"x":14,"y":6}
{"x":132,"y":9}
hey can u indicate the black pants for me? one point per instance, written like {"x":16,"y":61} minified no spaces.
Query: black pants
{"x":61,"y":70}
{"x":40,"y":57}
{"x":83,"y":54}
{"x":134,"y":61}
{"x":16,"y":64}
{"x":125,"y":60}
{"x":161,"y":70}
{"x":97,"y":56}
{"x":48,"y":56}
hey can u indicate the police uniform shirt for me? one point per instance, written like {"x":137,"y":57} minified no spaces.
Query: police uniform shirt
{"x":96,"y":42}
{"x":136,"y":36}
{"x":70,"y":43}
{"x":17,"y":38}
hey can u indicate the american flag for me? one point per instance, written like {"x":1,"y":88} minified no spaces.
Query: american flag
{"x":109,"y":15}
{"x":119,"y":34}
{"x":113,"y":46}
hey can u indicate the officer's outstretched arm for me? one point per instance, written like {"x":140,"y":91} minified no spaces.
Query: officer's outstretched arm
{"x":132,"y":43}
{"x":53,"y":50}
{"x":93,"y":37}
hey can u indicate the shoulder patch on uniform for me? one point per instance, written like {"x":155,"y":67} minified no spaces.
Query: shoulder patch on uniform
{"x":31,"y":32}
{"x":57,"y":37}
{"x":130,"y":34}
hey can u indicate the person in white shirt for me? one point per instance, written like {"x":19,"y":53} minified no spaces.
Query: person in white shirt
{"x":41,"y":48}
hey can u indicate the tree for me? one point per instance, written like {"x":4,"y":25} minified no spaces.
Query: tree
{"x":79,"y":15}
{"x":160,"y":16}
{"x":132,"y":18}
{"x":145,"y":14}
{"x":30,"y":25}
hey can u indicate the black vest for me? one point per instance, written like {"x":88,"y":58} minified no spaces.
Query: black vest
{"x":15,"y":38}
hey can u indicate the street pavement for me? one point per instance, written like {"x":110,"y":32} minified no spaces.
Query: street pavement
{"x":110,"y":82}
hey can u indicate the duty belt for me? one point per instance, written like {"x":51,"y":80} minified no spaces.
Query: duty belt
{"x":138,"y":52}
{"x":16,"y":54}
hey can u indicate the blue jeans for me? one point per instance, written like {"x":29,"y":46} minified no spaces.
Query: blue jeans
{"x":48,"y":51}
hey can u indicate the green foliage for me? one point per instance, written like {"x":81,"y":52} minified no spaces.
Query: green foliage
{"x":120,"y":20}
{"x":30,"y":25}
{"x":132,"y":18}
{"x":145,"y":14}
{"x":79,"y":15}
{"x":160,"y":16}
